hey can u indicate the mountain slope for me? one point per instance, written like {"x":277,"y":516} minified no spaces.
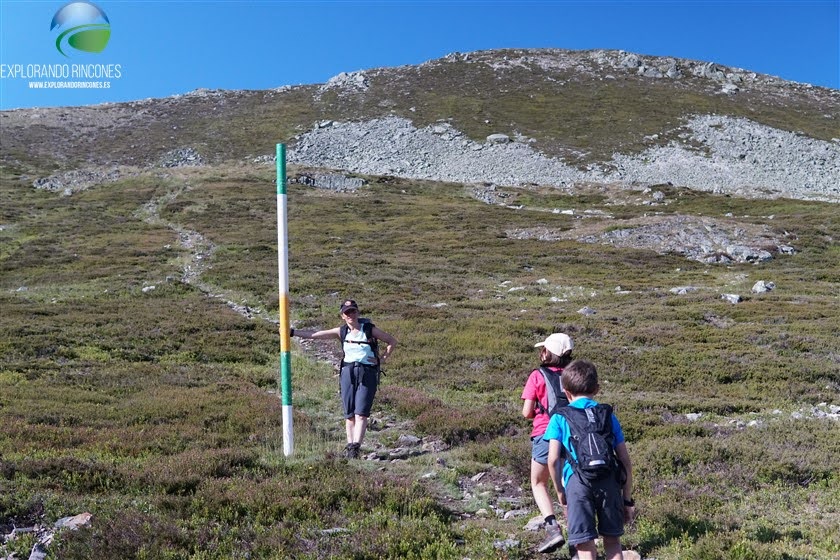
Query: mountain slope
{"x":138,"y":338}
{"x":581,"y":107}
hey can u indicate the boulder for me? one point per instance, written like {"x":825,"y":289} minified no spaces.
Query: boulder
{"x":762,"y":287}
{"x":498,"y":139}
{"x":683,"y":290}
{"x":731,"y":298}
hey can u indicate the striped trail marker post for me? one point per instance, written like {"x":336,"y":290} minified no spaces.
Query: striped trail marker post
{"x":285,"y":325}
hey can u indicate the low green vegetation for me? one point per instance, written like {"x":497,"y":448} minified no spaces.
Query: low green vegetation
{"x":129,"y":394}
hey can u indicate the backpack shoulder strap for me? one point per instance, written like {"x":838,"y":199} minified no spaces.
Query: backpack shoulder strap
{"x":342,"y":334}
{"x":608,"y":409}
{"x":603,"y":415}
{"x":552,"y":385}
{"x":367,"y":328}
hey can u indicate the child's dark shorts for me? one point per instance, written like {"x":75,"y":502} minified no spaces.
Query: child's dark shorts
{"x":603,"y":501}
{"x":358,"y":384}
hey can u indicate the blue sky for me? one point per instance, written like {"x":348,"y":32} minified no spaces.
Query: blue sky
{"x":167,"y":47}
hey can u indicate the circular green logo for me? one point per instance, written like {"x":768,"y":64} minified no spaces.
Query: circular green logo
{"x":85,"y":27}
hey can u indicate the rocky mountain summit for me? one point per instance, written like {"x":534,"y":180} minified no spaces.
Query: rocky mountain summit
{"x":517,"y":116}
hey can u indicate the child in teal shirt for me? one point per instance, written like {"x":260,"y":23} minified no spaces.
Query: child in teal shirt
{"x":593,"y":507}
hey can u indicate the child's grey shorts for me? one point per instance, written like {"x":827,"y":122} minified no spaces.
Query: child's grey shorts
{"x":603,"y":501}
{"x":539,"y":449}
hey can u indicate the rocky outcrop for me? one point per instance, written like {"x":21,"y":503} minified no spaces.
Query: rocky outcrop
{"x":714,"y":153}
{"x":393,"y":146}
{"x":77,"y":180}
{"x":737,"y":156}
{"x":329,"y":181}
{"x":346,"y":82}
{"x":183,"y":157}
{"x":701,"y":239}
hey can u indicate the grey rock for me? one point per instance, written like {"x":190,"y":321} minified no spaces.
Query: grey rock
{"x":506,"y":544}
{"x":347,"y":82}
{"x":731,"y":298}
{"x":741,"y":253}
{"x":77,"y":180}
{"x":183,"y":157}
{"x":330,"y":181}
{"x":515,"y":513}
{"x":683,"y":290}
{"x":649,"y":72}
{"x":334,"y":531}
{"x":587,"y":311}
{"x":630,"y":60}
{"x":762,"y":287}
{"x":498,"y":138}
{"x":39,"y":552}
{"x":407,"y":440}
{"x":435,"y":446}
{"x":399,"y":453}
{"x":535,"y":523}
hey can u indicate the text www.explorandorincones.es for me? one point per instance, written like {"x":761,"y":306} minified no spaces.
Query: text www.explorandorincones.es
{"x":69,"y":85}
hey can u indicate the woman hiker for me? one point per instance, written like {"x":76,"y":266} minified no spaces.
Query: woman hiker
{"x":360,"y":365}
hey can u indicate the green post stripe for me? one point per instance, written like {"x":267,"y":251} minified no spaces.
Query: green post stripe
{"x":286,"y":377}
{"x":281,"y":169}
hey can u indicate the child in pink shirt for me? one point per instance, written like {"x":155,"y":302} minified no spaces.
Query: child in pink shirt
{"x":555,"y":354}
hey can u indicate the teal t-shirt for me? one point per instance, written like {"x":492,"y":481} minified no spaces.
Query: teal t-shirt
{"x":558,"y":428}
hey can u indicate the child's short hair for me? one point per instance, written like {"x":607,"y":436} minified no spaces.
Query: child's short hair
{"x":580,"y":378}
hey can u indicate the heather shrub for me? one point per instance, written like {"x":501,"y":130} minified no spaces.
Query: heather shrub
{"x":158,"y":411}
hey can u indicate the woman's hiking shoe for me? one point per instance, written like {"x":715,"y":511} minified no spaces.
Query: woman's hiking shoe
{"x":352,"y":451}
{"x":553,"y":538}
